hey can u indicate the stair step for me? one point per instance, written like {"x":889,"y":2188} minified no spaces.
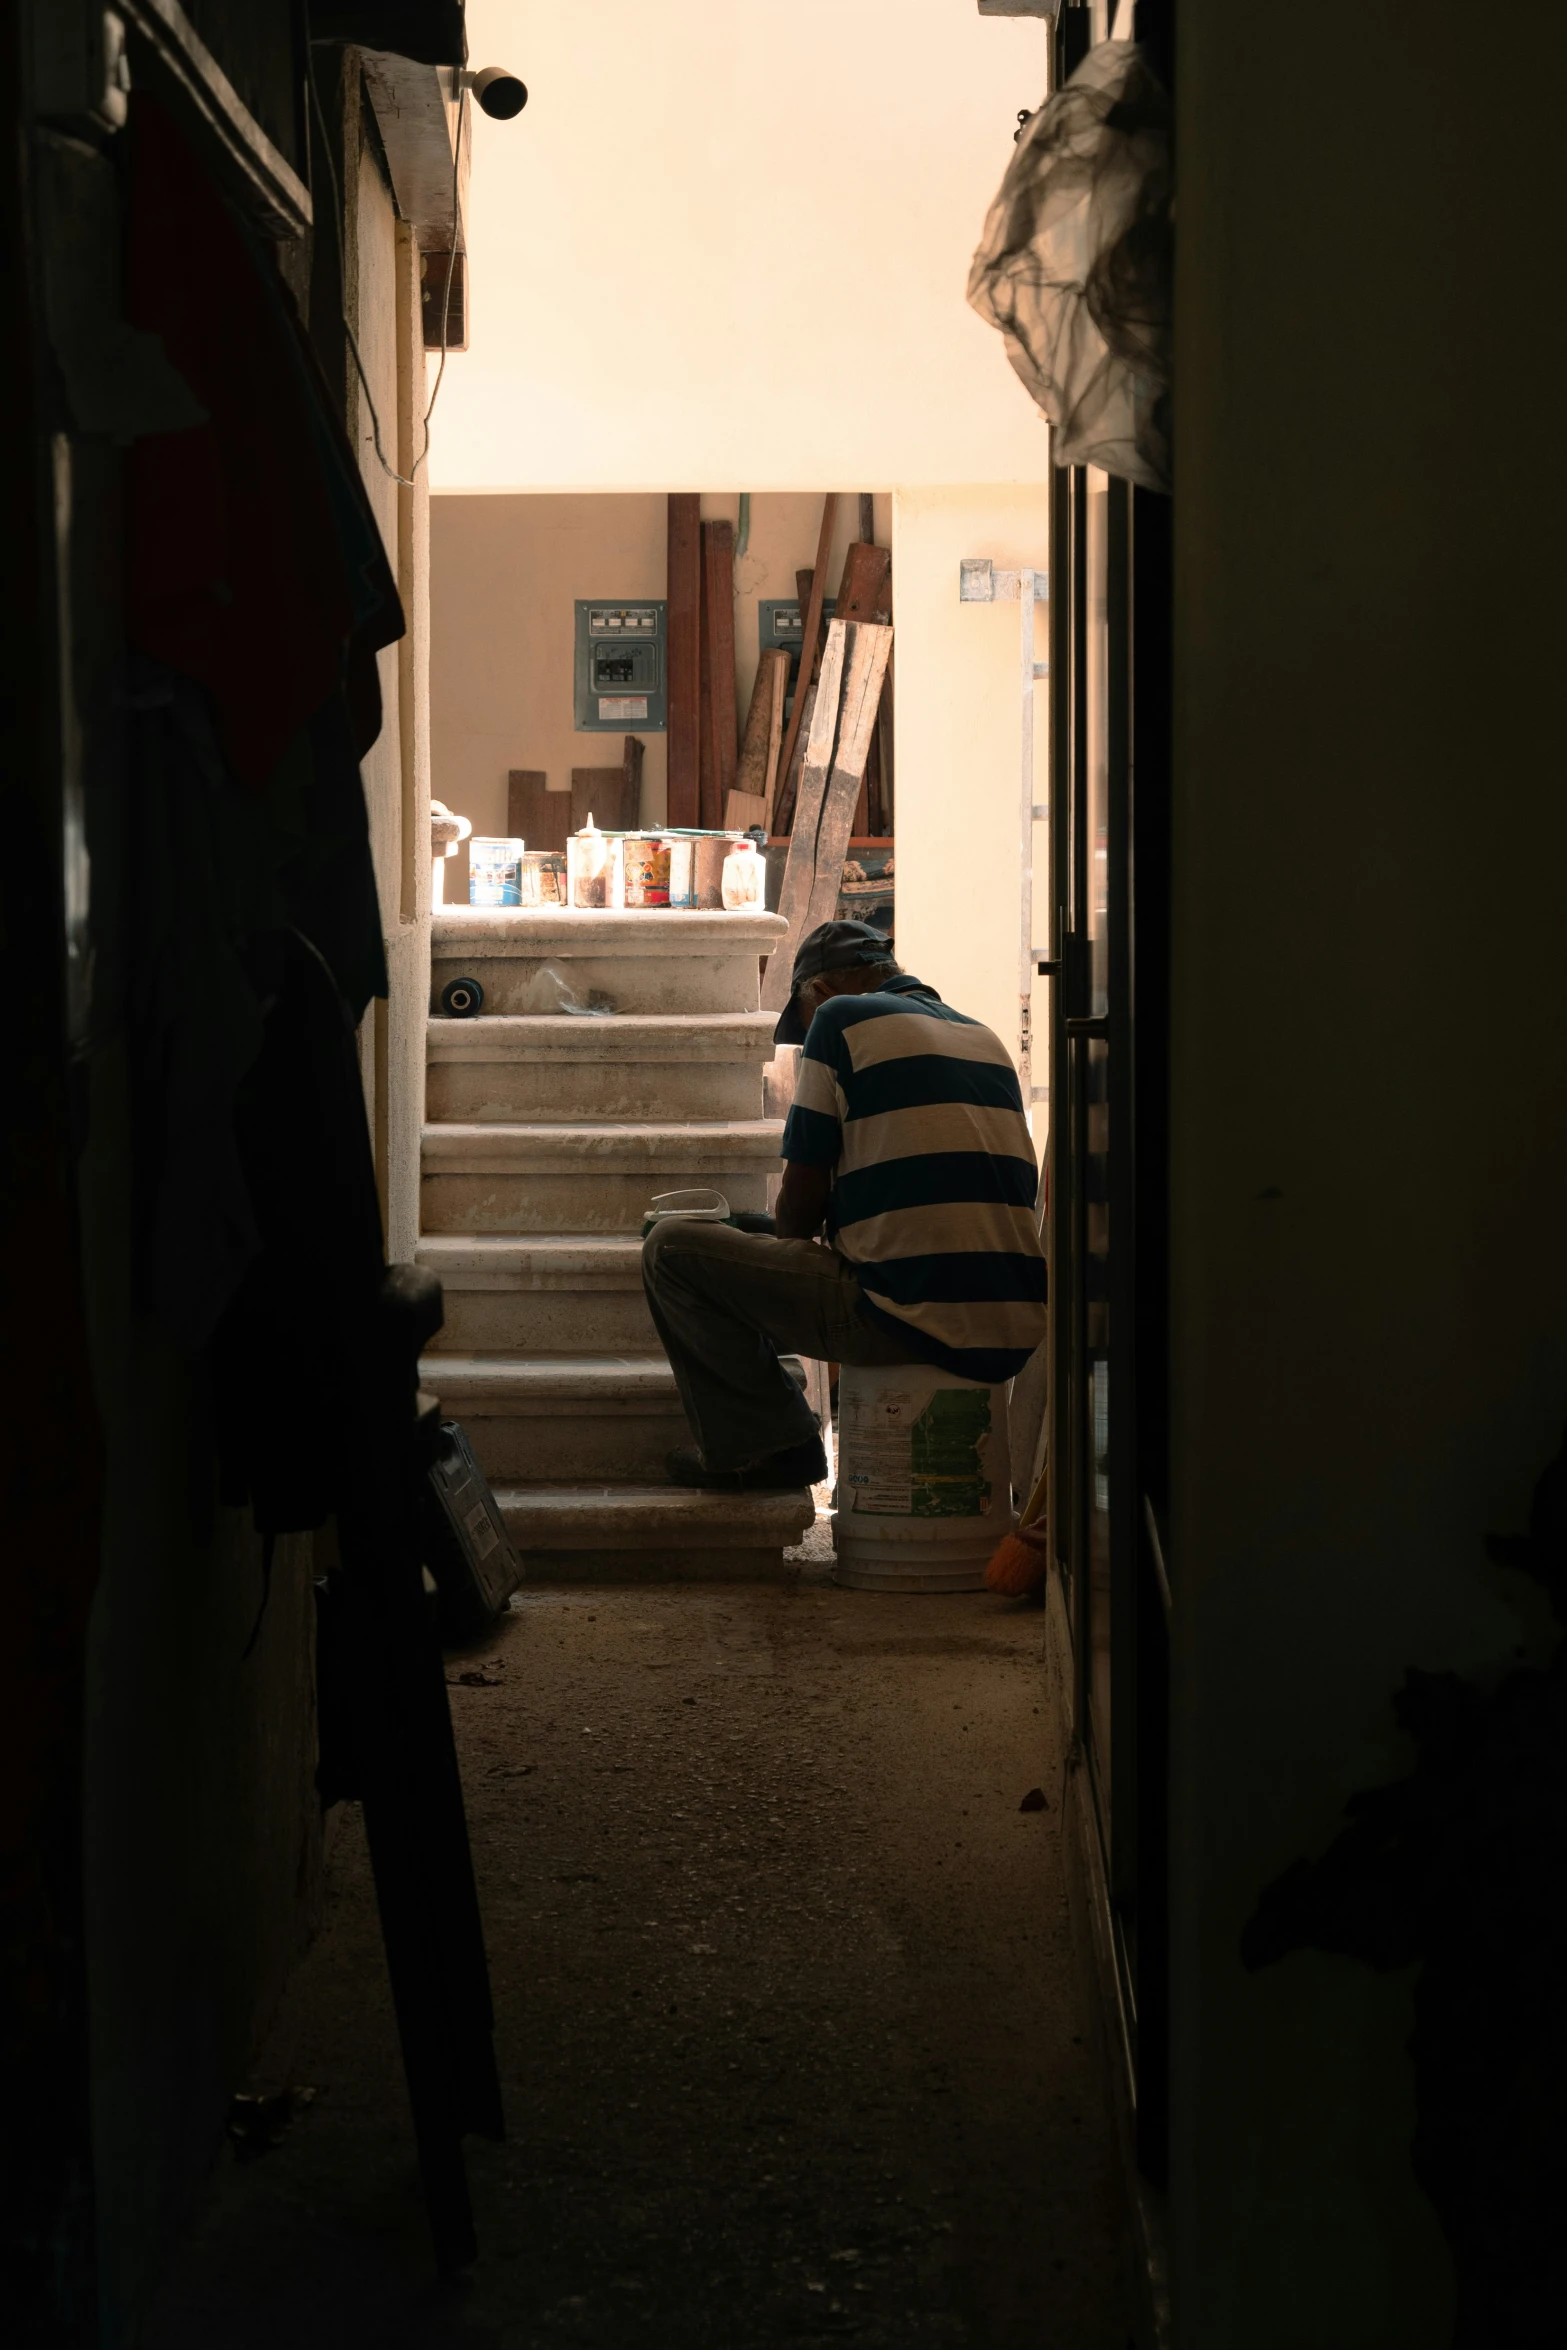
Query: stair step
{"x":550,"y":1294}
{"x":552,"y":931}
{"x":653,"y":961}
{"x":534,"y":1418}
{"x":590,"y":1146}
{"x":536,"y":1382}
{"x":648,"y":1533}
{"x":535,"y":1260}
{"x":637,"y":1066}
{"x":588,"y":1176}
{"x":619,"y":1036}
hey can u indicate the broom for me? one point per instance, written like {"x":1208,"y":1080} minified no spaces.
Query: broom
{"x":1019,"y":1562}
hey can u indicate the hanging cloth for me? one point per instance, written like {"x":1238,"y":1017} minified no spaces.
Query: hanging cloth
{"x":1075,"y":265}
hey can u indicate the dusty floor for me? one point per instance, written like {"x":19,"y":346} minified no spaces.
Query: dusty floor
{"x":786,"y":2009}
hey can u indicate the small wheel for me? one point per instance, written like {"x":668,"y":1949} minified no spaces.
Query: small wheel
{"x":462,"y":999}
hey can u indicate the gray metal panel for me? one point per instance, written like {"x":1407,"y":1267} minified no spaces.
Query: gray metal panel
{"x":621,"y":670}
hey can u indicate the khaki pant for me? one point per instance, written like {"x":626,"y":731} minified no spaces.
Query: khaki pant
{"x":726,"y":1305}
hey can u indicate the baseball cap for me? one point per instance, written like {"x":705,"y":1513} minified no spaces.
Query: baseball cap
{"x":831,"y":946}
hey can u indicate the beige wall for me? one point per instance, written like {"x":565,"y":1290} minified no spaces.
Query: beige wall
{"x":506,"y":572}
{"x":728,"y":245}
{"x":959,"y":720}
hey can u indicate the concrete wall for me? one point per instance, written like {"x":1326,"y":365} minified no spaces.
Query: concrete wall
{"x":727,"y":246}
{"x":506,"y":572}
{"x":1370,"y":1128}
{"x":383,"y":279}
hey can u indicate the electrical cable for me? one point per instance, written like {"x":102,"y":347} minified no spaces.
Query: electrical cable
{"x":403,"y":480}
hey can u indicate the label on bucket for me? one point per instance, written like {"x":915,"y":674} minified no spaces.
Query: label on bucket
{"x":926,"y":1464}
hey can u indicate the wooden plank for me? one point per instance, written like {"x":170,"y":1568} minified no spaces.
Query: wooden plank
{"x":863,"y":595}
{"x":760,"y":729}
{"x":632,"y":751}
{"x":608,"y":795}
{"x":794,"y":897}
{"x":683,"y":654}
{"x":758,"y":768}
{"x":869,"y":645}
{"x":775,"y":720}
{"x":742,"y":809}
{"x":789,"y":784}
{"x":534,"y":813}
{"x":812,"y":629}
{"x":719,"y":729}
{"x":867,"y":515}
{"x":862,"y":592}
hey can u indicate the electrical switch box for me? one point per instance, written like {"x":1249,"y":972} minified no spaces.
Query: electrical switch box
{"x":621,"y":671}
{"x":780,"y":627}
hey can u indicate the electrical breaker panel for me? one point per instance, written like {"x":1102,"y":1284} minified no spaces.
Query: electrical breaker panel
{"x":620,"y":666}
{"x":780,"y":627}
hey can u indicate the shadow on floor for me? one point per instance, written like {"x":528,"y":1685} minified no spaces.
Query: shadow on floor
{"x":787,"y":2016}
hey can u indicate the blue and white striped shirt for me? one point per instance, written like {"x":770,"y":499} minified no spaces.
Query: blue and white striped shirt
{"x":917,"y":1111}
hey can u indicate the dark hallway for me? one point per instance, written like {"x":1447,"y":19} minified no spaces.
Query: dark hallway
{"x":788,"y":2019}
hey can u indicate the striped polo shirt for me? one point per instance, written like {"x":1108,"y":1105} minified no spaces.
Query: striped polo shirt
{"x":917,"y":1112}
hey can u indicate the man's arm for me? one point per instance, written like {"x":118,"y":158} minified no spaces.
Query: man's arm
{"x":802,"y":1200}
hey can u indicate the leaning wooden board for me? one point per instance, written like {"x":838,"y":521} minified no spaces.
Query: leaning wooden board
{"x":717,"y":671}
{"x":683,"y":590}
{"x":534,"y":813}
{"x":812,"y":618}
{"x":794,"y":897}
{"x":869,"y":645}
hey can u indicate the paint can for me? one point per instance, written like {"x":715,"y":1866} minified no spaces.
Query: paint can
{"x":924,"y":1488}
{"x":494,"y":870}
{"x":645,"y":860}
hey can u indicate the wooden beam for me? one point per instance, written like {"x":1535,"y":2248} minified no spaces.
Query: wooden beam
{"x":758,"y":766}
{"x":812,"y":628}
{"x":719,"y":729}
{"x":794,"y":897}
{"x":789,"y":781}
{"x":868,"y":648}
{"x":775,"y":720}
{"x":683,"y":654}
{"x":862,"y":592}
{"x":867,"y":515}
{"x":261,"y":178}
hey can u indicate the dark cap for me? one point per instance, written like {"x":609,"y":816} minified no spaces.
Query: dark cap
{"x":831,"y":946}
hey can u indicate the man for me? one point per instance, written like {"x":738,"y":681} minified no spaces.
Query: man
{"x":907,"y":1142}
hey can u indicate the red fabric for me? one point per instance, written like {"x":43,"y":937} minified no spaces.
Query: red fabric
{"x":235,"y":576}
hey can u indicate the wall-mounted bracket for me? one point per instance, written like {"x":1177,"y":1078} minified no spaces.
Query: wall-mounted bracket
{"x":980,"y":581}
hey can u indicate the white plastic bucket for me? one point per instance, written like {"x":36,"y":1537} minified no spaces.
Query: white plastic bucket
{"x":924,"y":1481}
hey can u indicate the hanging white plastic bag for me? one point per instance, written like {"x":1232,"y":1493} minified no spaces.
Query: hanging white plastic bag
{"x":1075,"y":265}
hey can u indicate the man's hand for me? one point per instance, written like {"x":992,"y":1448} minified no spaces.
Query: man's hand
{"x":802,"y":1201}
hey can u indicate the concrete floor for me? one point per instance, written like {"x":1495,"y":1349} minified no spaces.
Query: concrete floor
{"x":791,"y":2035}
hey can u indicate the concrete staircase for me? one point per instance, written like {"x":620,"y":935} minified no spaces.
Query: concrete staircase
{"x":547,"y":1133}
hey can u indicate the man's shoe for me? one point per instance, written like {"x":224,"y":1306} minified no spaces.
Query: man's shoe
{"x":796,"y":1465}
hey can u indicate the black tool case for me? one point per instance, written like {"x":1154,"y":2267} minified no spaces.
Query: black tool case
{"x":467,"y":1548}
